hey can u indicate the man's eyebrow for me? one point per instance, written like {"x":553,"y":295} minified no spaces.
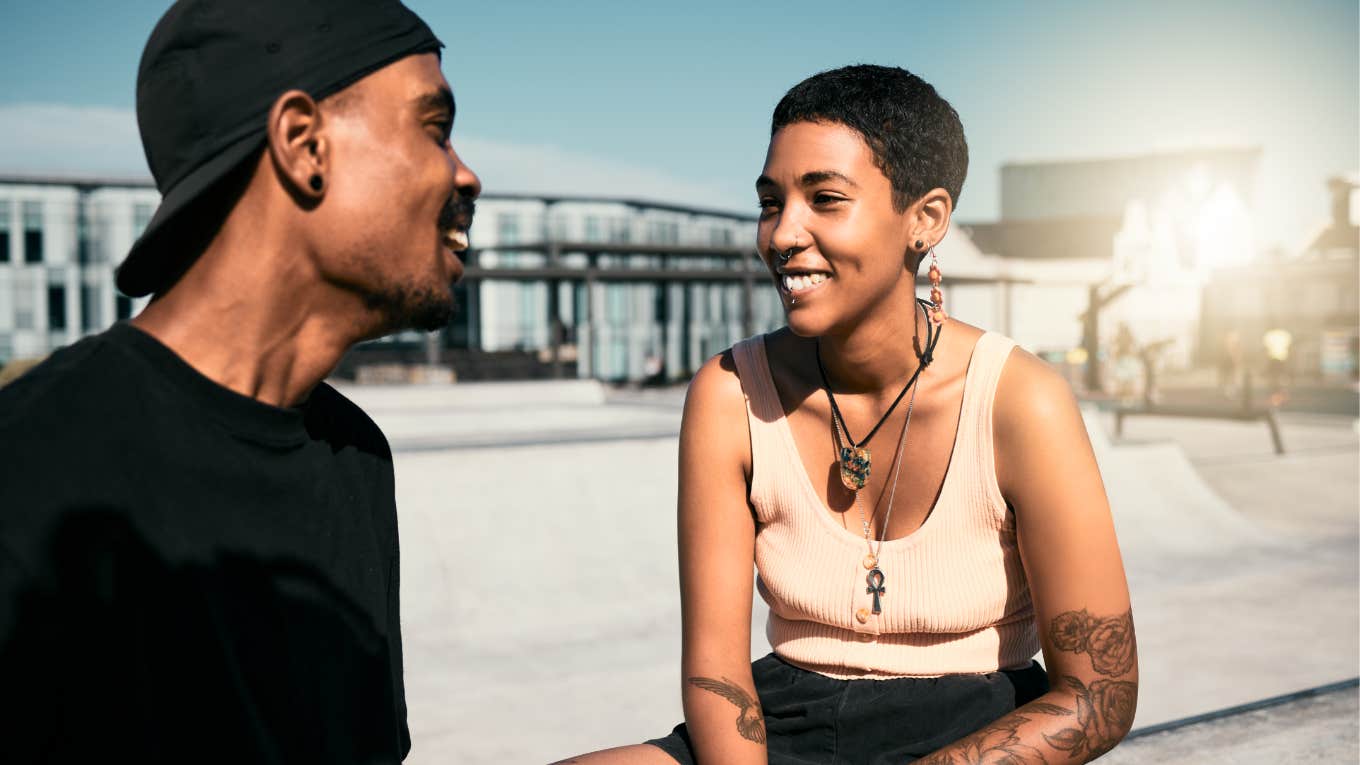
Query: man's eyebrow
{"x":439,"y":100}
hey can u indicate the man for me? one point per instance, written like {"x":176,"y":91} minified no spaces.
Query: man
{"x":198,"y":537}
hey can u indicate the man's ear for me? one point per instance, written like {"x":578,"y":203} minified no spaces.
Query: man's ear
{"x":298,"y":146}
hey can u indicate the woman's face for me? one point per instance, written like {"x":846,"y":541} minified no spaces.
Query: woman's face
{"x":822,"y":196}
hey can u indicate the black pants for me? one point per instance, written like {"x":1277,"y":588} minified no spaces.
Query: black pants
{"x":815,"y":720}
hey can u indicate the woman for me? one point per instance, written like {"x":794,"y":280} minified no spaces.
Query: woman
{"x":919,"y":496}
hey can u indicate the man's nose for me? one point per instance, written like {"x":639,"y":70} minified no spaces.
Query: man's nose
{"x":467,"y":183}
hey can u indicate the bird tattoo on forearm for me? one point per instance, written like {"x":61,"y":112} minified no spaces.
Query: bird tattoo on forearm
{"x":750,"y":722}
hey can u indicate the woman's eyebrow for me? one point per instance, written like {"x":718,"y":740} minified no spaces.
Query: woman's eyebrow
{"x":815,"y":177}
{"x":810,"y":178}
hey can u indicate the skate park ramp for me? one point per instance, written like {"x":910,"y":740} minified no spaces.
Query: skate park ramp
{"x":540,"y":596}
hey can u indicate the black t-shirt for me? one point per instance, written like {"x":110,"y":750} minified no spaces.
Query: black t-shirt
{"x":188,"y":575}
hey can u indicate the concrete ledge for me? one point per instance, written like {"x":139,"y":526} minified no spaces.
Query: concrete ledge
{"x":1316,"y":725}
{"x":473,"y":395}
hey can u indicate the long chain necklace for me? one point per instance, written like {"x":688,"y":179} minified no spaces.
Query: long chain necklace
{"x":858,"y":459}
{"x":854,"y":457}
{"x":876,"y":577}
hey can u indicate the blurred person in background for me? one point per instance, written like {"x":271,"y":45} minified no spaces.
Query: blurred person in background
{"x":1277,"y":343}
{"x":918,"y":496}
{"x":1127,"y":368}
{"x":199,"y":556}
{"x":1230,"y":367}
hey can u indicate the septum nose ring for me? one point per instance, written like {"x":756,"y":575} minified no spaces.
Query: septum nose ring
{"x":785,"y":255}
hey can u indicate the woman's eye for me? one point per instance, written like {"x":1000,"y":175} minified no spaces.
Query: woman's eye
{"x":767,"y":203}
{"x":823,"y":199}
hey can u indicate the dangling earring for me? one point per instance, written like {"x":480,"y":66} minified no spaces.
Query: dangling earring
{"x":937,"y":314}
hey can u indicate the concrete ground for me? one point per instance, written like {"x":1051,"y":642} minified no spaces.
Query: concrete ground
{"x":539,"y":593}
{"x":1324,"y":728}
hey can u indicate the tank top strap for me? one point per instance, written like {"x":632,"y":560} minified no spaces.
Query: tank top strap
{"x":770,"y":458}
{"x":975,"y":416}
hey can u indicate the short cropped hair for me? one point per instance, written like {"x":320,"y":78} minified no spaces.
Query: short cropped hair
{"x":915,"y":135}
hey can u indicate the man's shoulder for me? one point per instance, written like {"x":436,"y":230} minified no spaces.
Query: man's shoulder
{"x":83,"y":376}
{"x":65,"y":429}
{"x":331,"y":415}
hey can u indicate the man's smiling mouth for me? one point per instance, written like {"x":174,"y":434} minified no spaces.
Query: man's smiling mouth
{"x":456,"y":239}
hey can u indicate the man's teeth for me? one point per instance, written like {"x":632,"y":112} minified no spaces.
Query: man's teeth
{"x":456,"y":240}
{"x":797,"y":282}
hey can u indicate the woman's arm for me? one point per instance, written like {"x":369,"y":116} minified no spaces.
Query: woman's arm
{"x":717,"y":553}
{"x":1048,"y":474}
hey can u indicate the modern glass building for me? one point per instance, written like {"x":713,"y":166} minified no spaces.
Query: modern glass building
{"x":615,"y":289}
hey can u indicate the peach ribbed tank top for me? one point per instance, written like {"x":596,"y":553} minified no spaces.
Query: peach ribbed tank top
{"x":957,"y":600}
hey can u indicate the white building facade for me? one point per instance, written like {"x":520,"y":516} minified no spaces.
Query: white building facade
{"x":59,"y":244}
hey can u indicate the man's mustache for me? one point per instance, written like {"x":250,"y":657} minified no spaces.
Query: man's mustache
{"x":457,"y":213}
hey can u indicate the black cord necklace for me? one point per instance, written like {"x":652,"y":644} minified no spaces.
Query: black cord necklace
{"x":854,"y":458}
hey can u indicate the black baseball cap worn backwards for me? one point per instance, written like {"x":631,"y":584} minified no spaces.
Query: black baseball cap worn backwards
{"x":209,"y":75}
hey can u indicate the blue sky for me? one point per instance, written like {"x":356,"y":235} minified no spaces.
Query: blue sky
{"x":673,"y":99}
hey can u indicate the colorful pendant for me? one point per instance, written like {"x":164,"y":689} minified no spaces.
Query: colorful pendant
{"x":854,"y":467}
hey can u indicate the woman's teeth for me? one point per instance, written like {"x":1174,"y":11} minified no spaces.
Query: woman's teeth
{"x":800,"y":282}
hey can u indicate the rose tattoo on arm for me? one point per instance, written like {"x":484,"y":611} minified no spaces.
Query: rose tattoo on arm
{"x":1104,"y":706}
{"x":1108,"y":642}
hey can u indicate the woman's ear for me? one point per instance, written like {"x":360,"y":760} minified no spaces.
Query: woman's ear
{"x":930,"y":216}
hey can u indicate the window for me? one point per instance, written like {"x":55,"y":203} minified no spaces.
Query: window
{"x":89,"y":308}
{"x":560,"y":229}
{"x":23,"y":303}
{"x":141,"y":216}
{"x":507,"y":232}
{"x":56,"y":307}
{"x":4,"y":230}
{"x":592,"y":228}
{"x":33,"y":232}
{"x":507,"y":228}
{"x":664,"y":232}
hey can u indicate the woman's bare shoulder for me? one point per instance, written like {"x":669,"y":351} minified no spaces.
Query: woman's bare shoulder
{"x":714,"y":420}
{"x":717,"y":381}
{"x":1030,"y":388}
{"x":1035,"y":413}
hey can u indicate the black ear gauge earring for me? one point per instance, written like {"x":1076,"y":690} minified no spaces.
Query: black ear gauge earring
{"x":920,"y":245}
{"x":314,"y":182}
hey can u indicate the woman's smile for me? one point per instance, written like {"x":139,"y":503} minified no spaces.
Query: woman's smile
{"x":802,"y":283}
